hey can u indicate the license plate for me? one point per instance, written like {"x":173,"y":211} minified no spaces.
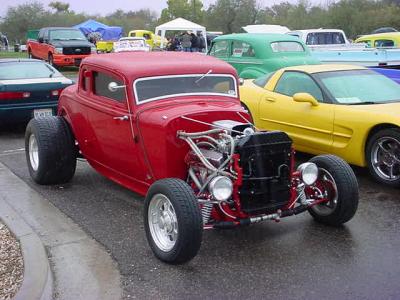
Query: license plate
{"x":78,"y":61}
{"x":40,"y":113}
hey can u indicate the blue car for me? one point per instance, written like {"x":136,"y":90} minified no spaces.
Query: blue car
{"x":29,"y":88}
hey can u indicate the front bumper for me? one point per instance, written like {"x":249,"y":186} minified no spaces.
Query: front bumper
{"x":68,"y":60}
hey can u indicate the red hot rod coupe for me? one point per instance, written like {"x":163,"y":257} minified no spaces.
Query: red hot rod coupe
{"x":170,"y":126}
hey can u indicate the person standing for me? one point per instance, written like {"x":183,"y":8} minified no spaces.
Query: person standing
{"x":202,"y":42}
{"x":186,"y":42}
{"x":195,"y":43}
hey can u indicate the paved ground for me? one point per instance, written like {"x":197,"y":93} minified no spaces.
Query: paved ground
{"x":296,"y":258}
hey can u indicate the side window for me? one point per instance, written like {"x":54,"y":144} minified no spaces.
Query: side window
{"x":384,"y":43}
{"x":220,"y":49}
{"x":291,"y":83}
{"x":366,"y":42}
{"x":100,"y":87}
{"x":147,"y":36}
{"x":242,"y":49}
{"x":133,"y":34}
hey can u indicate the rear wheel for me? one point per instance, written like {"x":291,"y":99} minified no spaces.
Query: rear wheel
{"x":50,"y":150}
{"x":383,"y":156}
{"x":50,"y":59}
{"x":337,"y":182}
{"x":172,"y":221}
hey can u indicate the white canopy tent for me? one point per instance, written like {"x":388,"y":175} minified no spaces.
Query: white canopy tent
{"x":182,"y":25}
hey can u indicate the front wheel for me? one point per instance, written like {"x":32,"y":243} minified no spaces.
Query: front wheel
{"x":50,"y":59}
{"x":338,"y":183}
{"x":50,"y":150}
{"x":383,"y":156}
{"x":30,"y":56}
{"x":172,"y":221}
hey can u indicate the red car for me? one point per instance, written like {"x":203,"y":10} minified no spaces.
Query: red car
{"x":170,"y":126}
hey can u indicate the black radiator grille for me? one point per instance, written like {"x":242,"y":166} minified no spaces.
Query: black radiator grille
{"x":265,"y":158}
{"x":76,"y":50}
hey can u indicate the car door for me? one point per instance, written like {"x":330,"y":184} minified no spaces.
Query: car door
{"x":109,"y":115}
{"x":310,"y":127}
{"x":41,"y":47}
{"x":242,"y":56}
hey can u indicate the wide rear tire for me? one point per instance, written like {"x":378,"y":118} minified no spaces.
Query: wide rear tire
{"x":338,"y":180}
{"x":50,"y":150}
{"x":172,"y":220}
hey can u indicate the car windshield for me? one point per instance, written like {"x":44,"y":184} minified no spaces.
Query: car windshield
{"x":153,"y":88}
{"x":66,"y":34}
{"x":287,"y":47}
{"x":360,"y":86}
{"x":27,"y":70}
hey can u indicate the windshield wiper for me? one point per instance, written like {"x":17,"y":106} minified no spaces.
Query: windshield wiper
{"x":362,"y":103}
{"x":202,"y":76}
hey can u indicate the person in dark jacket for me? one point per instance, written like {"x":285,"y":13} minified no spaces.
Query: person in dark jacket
{"x":202,"y":42}
{"x":186,"y":42}
{"x":195,"y":42}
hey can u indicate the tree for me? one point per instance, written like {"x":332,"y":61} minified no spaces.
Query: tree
{"x":191,"y":10}
{"x":59,"y":6}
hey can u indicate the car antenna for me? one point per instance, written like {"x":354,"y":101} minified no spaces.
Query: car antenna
{"x":202,"y":76}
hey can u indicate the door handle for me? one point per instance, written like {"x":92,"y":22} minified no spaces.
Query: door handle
{"x":270,"y":99}
{"x":121,"y":118}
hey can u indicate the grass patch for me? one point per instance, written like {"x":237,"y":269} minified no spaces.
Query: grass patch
{"x":7,"y":54}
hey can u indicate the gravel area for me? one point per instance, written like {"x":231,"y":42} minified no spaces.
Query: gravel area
{"x":11,"y":264}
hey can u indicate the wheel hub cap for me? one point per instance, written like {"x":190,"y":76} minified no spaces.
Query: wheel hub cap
{"x":33,"y":152}
{"x":162,"y":222}
{"x":386,"y":158}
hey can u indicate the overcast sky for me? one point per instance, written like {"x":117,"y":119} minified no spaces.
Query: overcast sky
{"x":105,"y":7}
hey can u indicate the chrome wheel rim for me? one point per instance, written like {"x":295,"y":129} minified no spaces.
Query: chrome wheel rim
{"x":329,"y":189}
{"x":385,"y":158}
{"x":162,"y":222}
{"x":33,"y":152}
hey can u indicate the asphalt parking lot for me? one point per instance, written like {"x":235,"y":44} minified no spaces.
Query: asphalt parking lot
{"x":296,"y":258}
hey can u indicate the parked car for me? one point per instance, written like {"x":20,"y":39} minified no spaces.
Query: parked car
{"x":380,"y":40}
{"x":170,"y":126}
{"x":153,"y":40}
{"x":390,"y":73}
{"x":60,"y":46}
{"x":131,"y":44}
{"x":28,"y":88}
{"x":255,"y":54}
{"x":349,"y":111}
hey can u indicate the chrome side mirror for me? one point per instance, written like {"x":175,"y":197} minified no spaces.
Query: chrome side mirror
{"x":241,"y":81}
{"x":113,"y":86}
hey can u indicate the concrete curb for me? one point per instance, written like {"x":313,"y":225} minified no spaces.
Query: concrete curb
{"x":38,"y":279}
{"x":80,"y":268}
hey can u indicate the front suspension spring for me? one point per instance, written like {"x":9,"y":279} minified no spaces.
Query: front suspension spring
{"x":206,"y":212}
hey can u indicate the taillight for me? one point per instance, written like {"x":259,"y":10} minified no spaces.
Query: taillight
{"x":56,"y":92}
{"x":14,"y":95}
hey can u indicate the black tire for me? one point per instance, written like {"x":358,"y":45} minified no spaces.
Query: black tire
{"x":188,"y":219}
{"x":55,"y":162}
{"x":335,"y":213}
{"x":390,"y":141}
{"x":30,"y":55}
{"x":50,"y":59}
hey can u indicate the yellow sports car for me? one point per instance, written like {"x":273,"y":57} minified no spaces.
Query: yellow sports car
{"x":349,"y":111}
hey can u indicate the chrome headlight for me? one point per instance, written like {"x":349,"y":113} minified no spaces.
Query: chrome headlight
{"x":93,"y":49}
{"x":58,"y":50}
{"x":221,"y":188}
{"x":248,"y":131}
{"x":308,"y":173}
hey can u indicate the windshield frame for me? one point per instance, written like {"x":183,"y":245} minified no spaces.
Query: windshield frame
{"x":236,"y":95}
{"x":335,"y":101}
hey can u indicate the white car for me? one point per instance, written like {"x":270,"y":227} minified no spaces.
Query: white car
{"x":131,"y":44}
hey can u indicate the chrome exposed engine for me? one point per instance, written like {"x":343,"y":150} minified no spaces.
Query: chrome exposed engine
{"x":231,"y":166}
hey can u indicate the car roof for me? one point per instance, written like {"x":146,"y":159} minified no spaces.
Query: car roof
{"x":258,"y":37}
{"x":392,"y":35}
{"x":158,"y":63}
{"x":8,"y":60}
{"x":324,"y":68}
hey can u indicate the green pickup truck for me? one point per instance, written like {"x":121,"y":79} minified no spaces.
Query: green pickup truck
{"x":255,"y":54}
